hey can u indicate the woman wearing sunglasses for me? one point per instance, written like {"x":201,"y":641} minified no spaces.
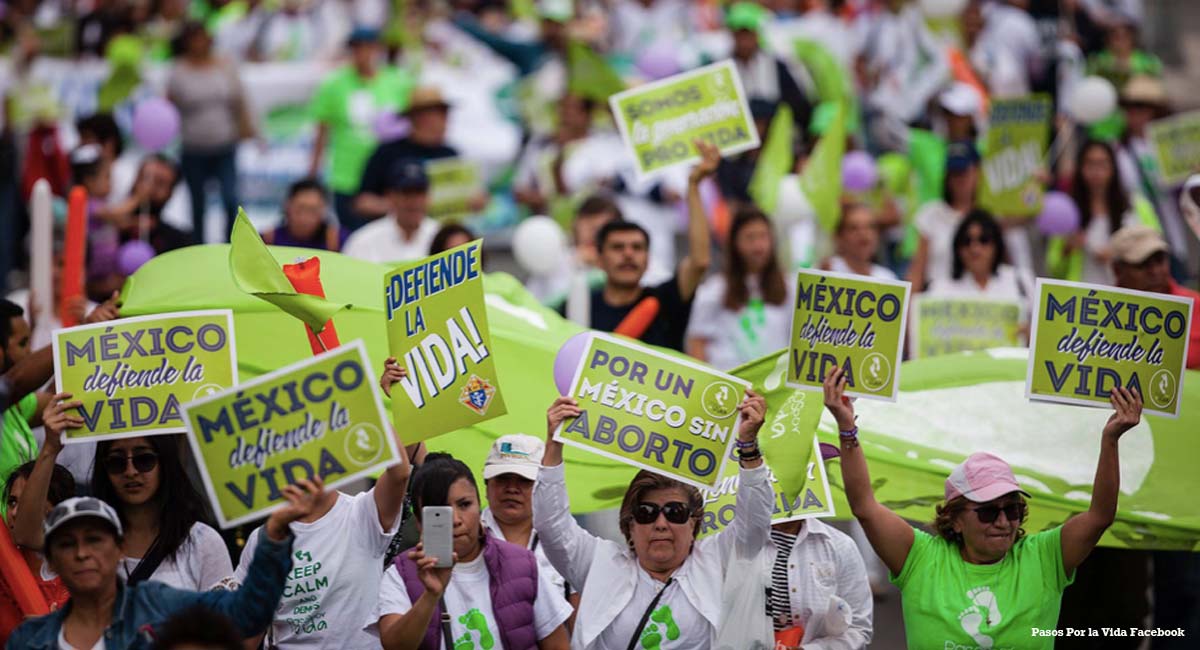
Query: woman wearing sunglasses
{"x":978,"y":268}
{"x":144,"y":480}
{"x":980,"y":581}
{"x":662,"y":588}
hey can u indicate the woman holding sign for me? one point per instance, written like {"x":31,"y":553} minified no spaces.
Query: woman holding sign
{"x":662,"y":588}
{"x":981,"y":581}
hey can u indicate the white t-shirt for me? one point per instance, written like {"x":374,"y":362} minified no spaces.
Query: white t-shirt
{"x":1095,"y":239}
{"x":839,"y":265}
{"x":1007,"y":284}
{"x":734,"y":338}
{"x":337,"y":563}
{"x":63,"y":645}
{"x":673,"y":625}
{"x":544,"y":566}
{"x":937,"y":221}
{"x":383,"y":242}
{"x":201,"y":563}
{"x":469,"y":601}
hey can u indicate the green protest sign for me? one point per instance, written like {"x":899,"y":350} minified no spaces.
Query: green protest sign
{"x":660,"y":121}
{"x":133,"y":374}
{"x":438,"y":330}
{"x":815,"y":499}
{"x":1016,"y":150}
{"x":851,"y":322}
{"x":453,"y":183}
{"x":945,"y":324}
{"x":661,"y":413}
{"x":1175,"y":143}
{"x":318,"y":417}
{"x":1088,"y":339}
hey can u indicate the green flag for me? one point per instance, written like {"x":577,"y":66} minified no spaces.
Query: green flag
{"x":775,"y":160}
{"x":589,"y":75}
{"x":257,"y":273}
{"x":831,"y":79}
{"x":822,"y":176}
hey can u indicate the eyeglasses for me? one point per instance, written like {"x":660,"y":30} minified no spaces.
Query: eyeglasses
{"x":982,"y":240}
{"x":1012,"y":511}
{"x":143,"y":461}
{"x":676,"y":512}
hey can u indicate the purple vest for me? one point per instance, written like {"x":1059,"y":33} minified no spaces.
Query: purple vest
{"x":512,"y":584}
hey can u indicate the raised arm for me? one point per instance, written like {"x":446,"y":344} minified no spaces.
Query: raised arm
{"x":59,"y":415}
{"x":751,"y":525}
{"x":393,"y":484}
{"x":402,"y":631}
{"x":699,"y":257}
{"x":568,"y":546}
{"x":1081,"y":533}
{"x":889,"y":534}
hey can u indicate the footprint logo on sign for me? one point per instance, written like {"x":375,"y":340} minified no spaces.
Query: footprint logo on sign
{"x":875,"y":372}
{"x":1162,"y":388}
{"x":364,"y":443}
{"x":207,"y":390}
{"x":720,"y":400}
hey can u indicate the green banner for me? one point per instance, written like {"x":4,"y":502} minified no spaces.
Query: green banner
{"x":650,"y":410}
{"x":321,"y":416}
{"x":453,"y":183}
{"x":1175,"y":143}
{"x":944,"y":325}
{"x":1088,"y":339}
{"x":660,"y":121}
{"x":1017,"y":135}
{"x":437,"y":328}
{"x":851,"y":322}
{"x":815,"y":499}
{"x":133,"y":374}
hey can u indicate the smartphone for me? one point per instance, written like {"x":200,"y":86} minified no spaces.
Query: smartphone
{"x":437,"y":534}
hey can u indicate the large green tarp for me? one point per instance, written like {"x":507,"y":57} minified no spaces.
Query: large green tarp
{"x":948,"y":408}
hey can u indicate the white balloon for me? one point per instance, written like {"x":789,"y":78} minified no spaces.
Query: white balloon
{"x":540,"y":246}
{"x":791,"y":204}
{"x":942,"y":8}
{"x":1092,"y":99}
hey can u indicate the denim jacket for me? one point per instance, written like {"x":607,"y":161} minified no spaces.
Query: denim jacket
{"x":141,"y":609}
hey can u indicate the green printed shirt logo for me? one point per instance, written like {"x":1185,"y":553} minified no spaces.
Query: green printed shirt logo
{"x":661,"y":627}
{"x":476,"y":623}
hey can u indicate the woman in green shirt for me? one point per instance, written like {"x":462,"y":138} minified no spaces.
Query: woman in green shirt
{"x":981,"y":582}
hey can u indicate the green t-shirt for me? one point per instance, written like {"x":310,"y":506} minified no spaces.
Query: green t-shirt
{"x":349,"y":105}
{"x":949,"y":603}
{"x":17,"y":446}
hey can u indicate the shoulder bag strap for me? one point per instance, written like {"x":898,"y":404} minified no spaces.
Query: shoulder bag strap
{"x":637,"y":631}
{"x":447,"y":638}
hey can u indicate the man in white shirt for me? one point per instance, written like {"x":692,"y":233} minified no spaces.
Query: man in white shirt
{"x":509,"y":474}
{"x":406,"y":232}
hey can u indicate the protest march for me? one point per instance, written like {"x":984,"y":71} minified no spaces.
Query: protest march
{"x":599,"y":325}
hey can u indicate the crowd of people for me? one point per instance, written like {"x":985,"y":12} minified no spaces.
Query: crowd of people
{"x":117,"y":536}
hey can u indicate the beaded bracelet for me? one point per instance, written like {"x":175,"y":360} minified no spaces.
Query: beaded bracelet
{"x":745,"y":445}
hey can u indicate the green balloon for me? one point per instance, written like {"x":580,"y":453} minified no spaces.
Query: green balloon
{"x":895,"y":171}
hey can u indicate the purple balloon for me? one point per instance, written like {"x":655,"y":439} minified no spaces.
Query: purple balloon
{"x":155,"y":123}
{"x":132,"y":255}
{"x":1059,"y":215}
{"x":859,"y":173}
{"x":657,"y":61}
{"x":567,"y":360}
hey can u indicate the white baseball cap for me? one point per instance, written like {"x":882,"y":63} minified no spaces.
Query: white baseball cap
{"x":79,"y":508}
{"x":515,"y":453}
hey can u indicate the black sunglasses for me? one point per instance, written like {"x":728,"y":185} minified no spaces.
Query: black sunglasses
{"x":1013,"y":512}
{"x":983,"y":240}
{"x":143,"y":461}
{"x":676,"y":512}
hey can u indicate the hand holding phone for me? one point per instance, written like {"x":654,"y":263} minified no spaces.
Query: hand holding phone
{"x":437,"y":534}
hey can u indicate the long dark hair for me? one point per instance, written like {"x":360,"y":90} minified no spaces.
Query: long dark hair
{"x":180,"y":504}
{"x":431,"y":482}
{"x":990,"y":228}
{"x":1116,"y":202}
{"x":770,"y":280}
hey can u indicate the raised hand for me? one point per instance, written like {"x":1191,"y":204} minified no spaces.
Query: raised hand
{"x":392,"y":373}
{"x":754,"y":410}
{"x":1127,"y":405}
{"x":303,"y":497}
{"x":561,"y":409}
{"x":433,"y":578}
{"x":57,"y":418}
{"x":710,"y":157}
{"x":105,"y":311}
{"x":836,"y":401}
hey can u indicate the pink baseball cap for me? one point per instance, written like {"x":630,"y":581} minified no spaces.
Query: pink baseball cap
{"x":981,"y":478}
